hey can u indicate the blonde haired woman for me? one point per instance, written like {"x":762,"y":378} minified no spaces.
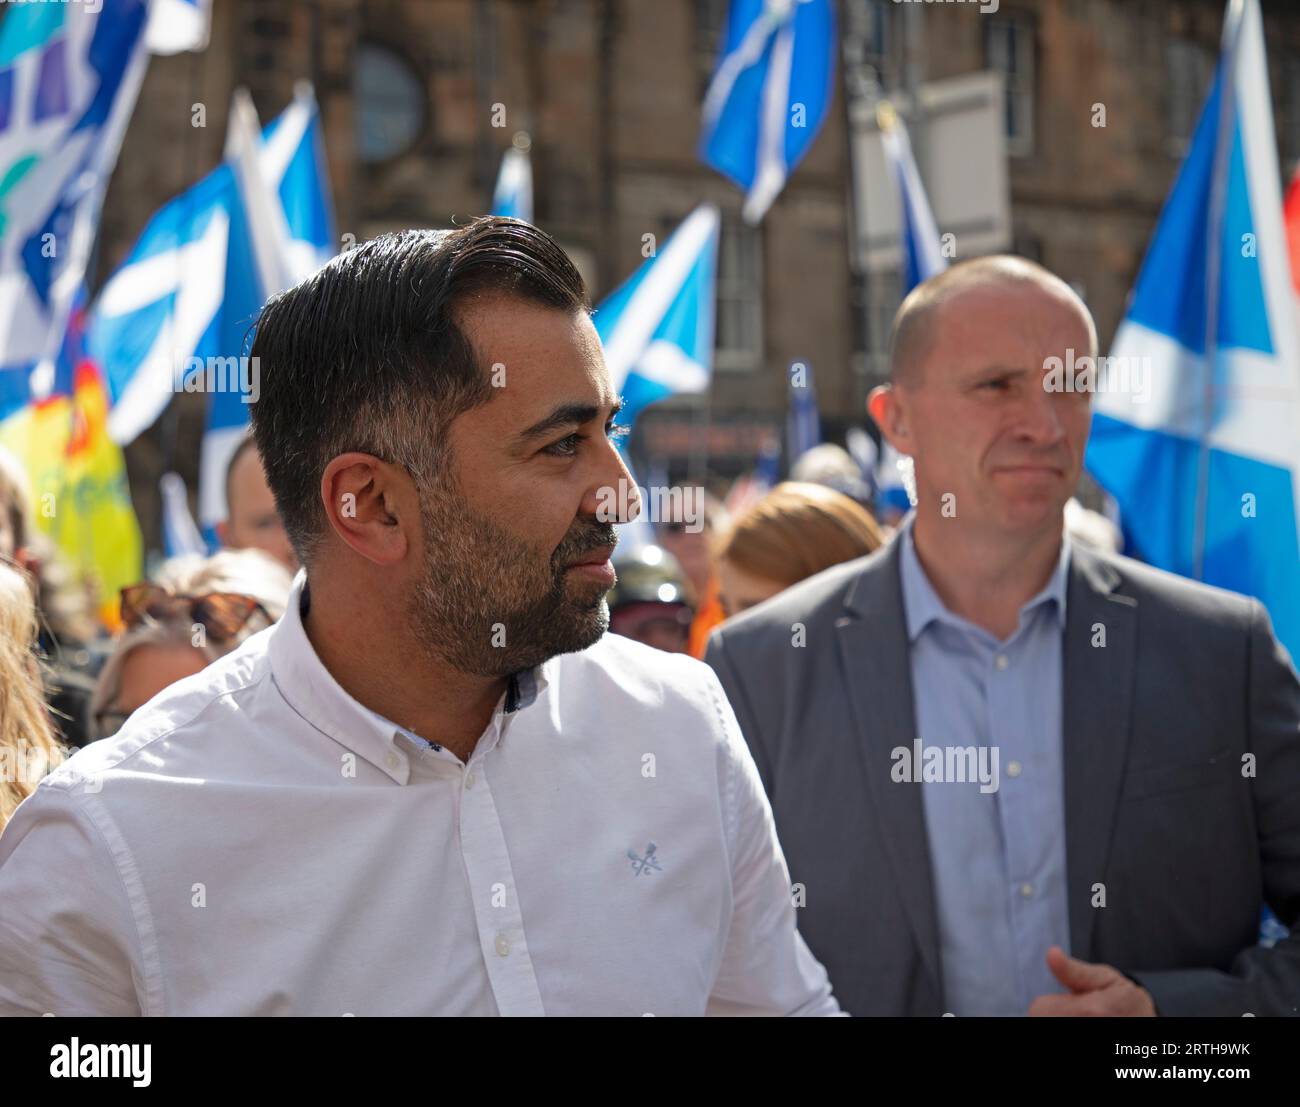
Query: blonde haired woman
{"x":793,"y":532}
{"x":28,"y":749}
{"x":196,"y":610}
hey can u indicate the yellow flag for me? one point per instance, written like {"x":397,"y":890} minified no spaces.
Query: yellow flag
{"x":79,"y":488}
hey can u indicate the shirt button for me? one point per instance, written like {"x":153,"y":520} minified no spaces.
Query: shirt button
{"x":1013,"y":768}
{"x":1026,"y":890}
{"x":502,"y":945}
{"x":392,"y":760}
{"x":469,"y":780}
{"x":1001,"y":662}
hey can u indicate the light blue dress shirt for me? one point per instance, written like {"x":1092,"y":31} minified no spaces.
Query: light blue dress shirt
{"x":998,"y":857}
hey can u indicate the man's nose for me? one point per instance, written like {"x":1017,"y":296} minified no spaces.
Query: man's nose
{"x":1041,"y":418}
{"x":613,"y":496}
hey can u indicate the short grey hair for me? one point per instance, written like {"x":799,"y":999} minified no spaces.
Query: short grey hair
{"x":916,"y":322}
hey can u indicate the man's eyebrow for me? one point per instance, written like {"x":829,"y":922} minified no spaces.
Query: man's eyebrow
{"x":998,"y":371}
{"x":566,"y":415}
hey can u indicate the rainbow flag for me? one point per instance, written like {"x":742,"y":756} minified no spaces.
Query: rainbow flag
{"x":77,"y":476}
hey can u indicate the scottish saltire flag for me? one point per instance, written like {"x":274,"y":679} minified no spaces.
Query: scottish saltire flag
{"x":657,"y":327}
{"x":187,"y":294}
{"x":162,"y":305}
{"x":513,"y":195}
{"x":769,"y":94}
{"x":922,"y":253}
{"x":803,"y":428}
{"x":169,"y":302}
{"x":281,"y":231}
{"x":176,"y":26}
{"x":69,"y":75}
{"x":1197,"y":434}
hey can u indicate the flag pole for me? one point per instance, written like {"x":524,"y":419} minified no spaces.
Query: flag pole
{"x":862,"y":94}
{"x":1213,"y":268}
{"x":170,"y":430}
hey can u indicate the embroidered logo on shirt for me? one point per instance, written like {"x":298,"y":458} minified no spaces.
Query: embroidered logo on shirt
{"x":643,"y":865}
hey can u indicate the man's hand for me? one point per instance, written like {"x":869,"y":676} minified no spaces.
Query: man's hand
{"x":1094,"y":990}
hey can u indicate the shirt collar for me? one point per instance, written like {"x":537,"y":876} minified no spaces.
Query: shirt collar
{"x":922,"y":605}
{"x":313,"y":693}
{"x":520,"y":692}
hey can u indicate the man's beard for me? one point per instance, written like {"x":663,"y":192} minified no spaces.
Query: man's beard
{"x":490,"y":604}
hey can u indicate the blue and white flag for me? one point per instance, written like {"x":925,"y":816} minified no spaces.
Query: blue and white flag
{"x":177,"y":26}
{"x":657,"y":327}
{"x":895,"y":483}
{"x":885,"y":472}
{"x":514,"y":191}
{"x":69,"y":75}
{"x":281,"y":231}
{"x":161,"y":305}
{"x":1196,"y":425}
{"x":803,"y":420}
{"x":185,"y":299}
{"x":769,"y":94}
{"x":922,"y":254}
{"x":180,"y":532}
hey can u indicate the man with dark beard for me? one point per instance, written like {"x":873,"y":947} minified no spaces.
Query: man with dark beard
{"x":435,"y":786}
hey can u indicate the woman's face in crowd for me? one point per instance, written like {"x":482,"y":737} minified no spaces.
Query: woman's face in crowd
{"x":148,"y":669}
{"x":738,"y":590}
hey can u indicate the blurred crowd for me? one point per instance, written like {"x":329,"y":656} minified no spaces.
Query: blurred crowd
{"x":67,"y":681}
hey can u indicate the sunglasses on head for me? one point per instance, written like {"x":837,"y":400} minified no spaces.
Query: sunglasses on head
{"x":222,"y":614}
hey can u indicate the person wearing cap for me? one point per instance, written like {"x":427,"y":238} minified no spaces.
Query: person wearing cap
{"x":651,"y":601}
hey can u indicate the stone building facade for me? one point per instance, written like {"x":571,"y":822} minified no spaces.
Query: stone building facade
{"x":609,"y":93}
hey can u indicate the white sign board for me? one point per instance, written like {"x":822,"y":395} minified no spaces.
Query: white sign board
{"x":960,"y":148}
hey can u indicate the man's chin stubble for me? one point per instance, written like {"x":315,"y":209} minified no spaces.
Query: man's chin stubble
{"x":575,"y":624}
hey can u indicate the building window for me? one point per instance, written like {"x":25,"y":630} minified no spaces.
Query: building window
{"x":1191,"y":71}
{"x":1026,"y":245}
{"x":878,"y":40}
{"x":884,"y":295}
{"x":869,"y":41}
{"x":1290,"y":130}
{"x":710,"y":36}
{"x":389,"y":103}
{"x":739,"y":337}
{"x":1011,"y":48}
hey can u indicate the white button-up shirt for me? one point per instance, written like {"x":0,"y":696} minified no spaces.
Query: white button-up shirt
{"x":256,"y":842}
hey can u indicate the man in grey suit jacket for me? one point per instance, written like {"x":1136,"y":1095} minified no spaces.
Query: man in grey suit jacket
{"x":986,"y":746}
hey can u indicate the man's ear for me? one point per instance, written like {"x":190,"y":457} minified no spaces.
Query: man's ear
{"x":885,"y":406}
{"x":371,"y":506}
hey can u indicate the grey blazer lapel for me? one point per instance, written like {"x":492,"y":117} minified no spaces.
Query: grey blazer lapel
{"x":1098,"y":694}
{"x":871,"y":636}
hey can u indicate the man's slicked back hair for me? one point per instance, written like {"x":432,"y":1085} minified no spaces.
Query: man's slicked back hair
{"x":366,"y":354}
